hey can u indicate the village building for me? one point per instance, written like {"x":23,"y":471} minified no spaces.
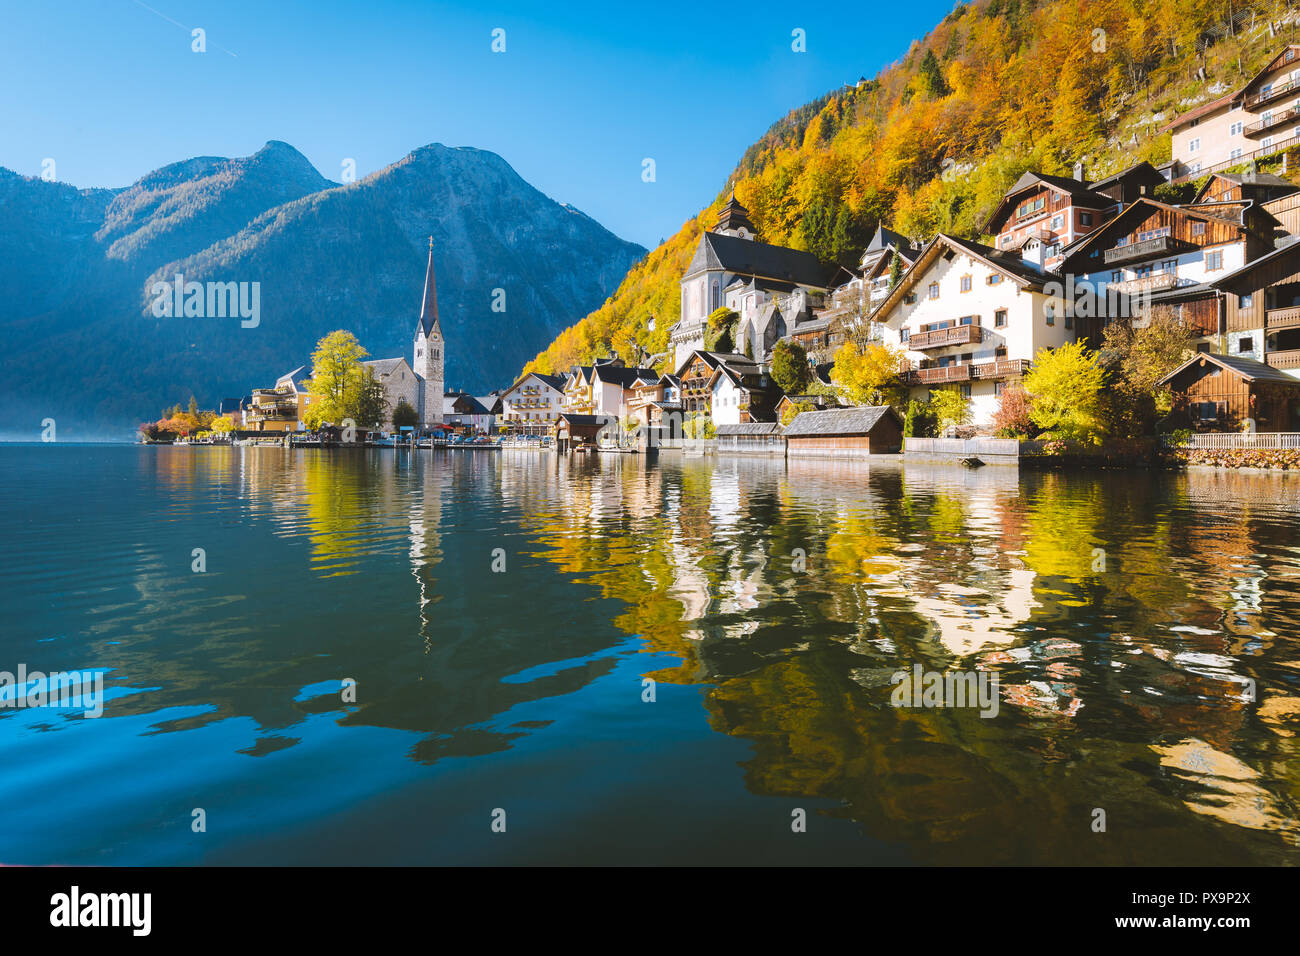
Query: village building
{"x":400,"y":384}
{"x":580,"y":431}
{"x":656,"y":406}
{"x":750,"y":438}
{"x":845,"y":433}
{"x":1162,"y":256}
{"x":1259,"y":309}
{"x":1239,"y":187}
{"x":604,"y":388}
{"x":463,"y":410}
{"x":1261,"y":118}
{"x":1041,"y":215}
{"x":1222,"y":392}
{"x":972,"y":317}
{"x":741,"y":391}
{"x":847,"y":313}
{"x":531,"y":405}
{"x":772,"y":288}
{"x":788,"y":404}
{"x":281,"y":408}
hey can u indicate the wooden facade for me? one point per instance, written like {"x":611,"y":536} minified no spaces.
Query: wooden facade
{"x":1211,"y":395}
{"x":695,"y":376}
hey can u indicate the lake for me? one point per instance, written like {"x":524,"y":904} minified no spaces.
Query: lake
{"x":454,"y":657}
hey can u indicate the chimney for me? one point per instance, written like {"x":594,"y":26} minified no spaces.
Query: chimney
{"x":1078,"y":171}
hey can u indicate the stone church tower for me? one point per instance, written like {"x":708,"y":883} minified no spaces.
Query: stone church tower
{"x":429,"y":351}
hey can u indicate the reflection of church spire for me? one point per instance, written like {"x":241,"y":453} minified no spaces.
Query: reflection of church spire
{"x":426,"y":551}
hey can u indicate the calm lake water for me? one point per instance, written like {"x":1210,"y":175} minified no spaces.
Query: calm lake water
{"x":1126,"y":616}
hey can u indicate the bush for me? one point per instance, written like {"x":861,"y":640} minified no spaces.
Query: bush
{"x":1012,"y":417}
{"x":920,"y":421}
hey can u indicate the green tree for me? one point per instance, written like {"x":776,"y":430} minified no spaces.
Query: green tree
{"x":951,"y":408}
{"x":720,"y":334}
{"x":370,"y":403}
{"x":794,"y":408}
{"x":790,"y":367}
{"x":920,"y":420}
{"x":405,"y":415}
{"x":1066,"y":385}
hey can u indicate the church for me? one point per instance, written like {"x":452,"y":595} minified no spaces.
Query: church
{"x":419,"y":382}
{"x":774,"y":289}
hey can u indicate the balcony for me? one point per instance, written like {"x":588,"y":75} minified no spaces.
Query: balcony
{"x":1277,"y":91}
{"x":1151,"y":283}
{"x":953,"y":335}
{"x":1277,"y":119}
{"x":1287,"y":318}
{"x":1002,"y":368}
{"x":983,"y":371}
{"x":1146,"y":249}
{"x":1287,"y":359}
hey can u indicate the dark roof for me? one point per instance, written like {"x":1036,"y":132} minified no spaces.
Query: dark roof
{"x":585,"y":419}
{"x":838,"y":421}
{"x":468,"y":405}
{"x":749,"y":428}
{"x":1004,"y":260}
{"x":1142,"y":171}
{"x":1247,"y":368}
{"x":623,"y":376}
{"x":1239,"y":280}
{"x":734,"y":215}
{"x":752,"y":258}
{"x":1251,"y":183}
{"x":1207,"y":107}
{"x":1079,"y":191}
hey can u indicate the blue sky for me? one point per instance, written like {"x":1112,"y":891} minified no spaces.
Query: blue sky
{"x":111,"y":89}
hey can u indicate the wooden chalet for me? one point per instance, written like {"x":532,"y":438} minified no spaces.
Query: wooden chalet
{"x":1239,"y":187}
{"x":1220,"y":392}
{"x":1260,"y":308}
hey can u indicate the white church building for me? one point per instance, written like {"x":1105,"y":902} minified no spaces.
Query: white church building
{"x":419,"y":382}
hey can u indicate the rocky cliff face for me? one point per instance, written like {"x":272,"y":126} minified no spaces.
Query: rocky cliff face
{"x":514,"y":267}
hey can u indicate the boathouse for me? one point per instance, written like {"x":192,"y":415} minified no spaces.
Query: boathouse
{"x":1220,"y":392}
{"x":845,"y":433}
{"x":751,"y":438}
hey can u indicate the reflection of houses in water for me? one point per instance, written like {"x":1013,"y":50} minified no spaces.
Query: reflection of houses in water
{"x":1225,"y":788}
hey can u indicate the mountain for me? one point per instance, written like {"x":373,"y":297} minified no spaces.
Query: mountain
{"x":933,"y":141}
{"x":84,"y":346}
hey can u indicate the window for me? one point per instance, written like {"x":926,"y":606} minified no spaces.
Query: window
{"x":998,"y":387}
{"x":1214,"y":260}
{"x":1117,"y":275}
{"x":1000,"y":319}
{"x":1267,"y":142}
{"x":1245,"y":301}
{"x":1235,"y":153}
{"x":1198,"y":229}
{"x":1030,"y":207}
{"x":965,"y":391}
{"x":994,"y":278}
{"x":1207,"y":411}
{"x":965,"y":283}
{"x":934,"y":290}
{"x":1194,"y":168}
{"x":1085,"y":219}
{"x":1000,"y":352}
{"x":1245,"y":344}
{"x":1050,"y":311}
{"x":1235,"y":129}
{"x":1194,"y":145}
{"x":968,"y":320}
{"x":909,"y":299}
{"x":1058,"y":222}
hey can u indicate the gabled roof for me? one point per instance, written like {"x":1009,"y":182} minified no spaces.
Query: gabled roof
{"x":711,"y":359}
{"x":1288,"y":54}
{"x":1198,"y":111}
{"x":718,"y":253}
{"x":840,"y":421}
{"x":385,"y":367}
{"x":469,"y":405}
{"x":1249,"y":182}
{"x":1024,"y":274}
{"x":624,"y":377}
{"x":1079,"y":191}
{"x":1138,"y":209}
{"x":295,"y":378}
{"x":749,"y":428}
{"x":1142,"y":173}
{"x":1248,"y":368}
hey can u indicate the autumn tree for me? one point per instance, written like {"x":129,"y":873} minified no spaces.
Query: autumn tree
{"x":870,"y":376}
{"x":337,"y":378}
{"x":720,"y":334}
{"x":1011,"y":419}
{"x":1066,"y":385}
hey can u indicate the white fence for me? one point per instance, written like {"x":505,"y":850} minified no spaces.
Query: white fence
{"x":1231,"y":440}
{"x":1008,"y":447}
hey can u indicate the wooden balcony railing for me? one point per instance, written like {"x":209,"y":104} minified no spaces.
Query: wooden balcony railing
{"x":1286,"y":359}
{"x":1145,"y":249}
{"x":1002,"y":368}
{"x":1283,"y":318}
{"x":1255,"y":129}
{"x":1151,"y":283}
{"x":1277,"y":91}
{"x":953,"y":335}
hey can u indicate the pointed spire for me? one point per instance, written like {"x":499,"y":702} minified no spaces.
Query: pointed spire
{"x":429,"y":304}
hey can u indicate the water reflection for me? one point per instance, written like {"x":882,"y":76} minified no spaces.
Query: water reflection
{"x":1144,"y":627}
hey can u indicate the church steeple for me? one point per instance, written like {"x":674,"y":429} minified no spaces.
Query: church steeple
{"x":429,"y":304}
{"x":734,"y":220}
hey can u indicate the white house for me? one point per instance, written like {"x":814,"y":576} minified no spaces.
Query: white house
{"x":532,"y":404}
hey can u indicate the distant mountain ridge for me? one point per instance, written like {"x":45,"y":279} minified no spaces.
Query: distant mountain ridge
{"x":85,"y":348}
